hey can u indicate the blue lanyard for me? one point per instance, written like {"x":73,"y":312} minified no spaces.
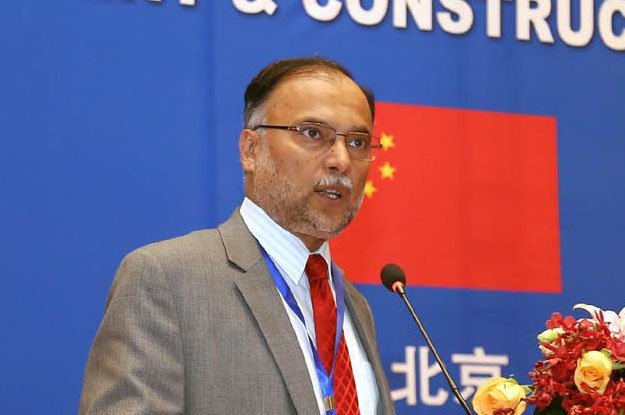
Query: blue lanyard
{"x":325,"y":379}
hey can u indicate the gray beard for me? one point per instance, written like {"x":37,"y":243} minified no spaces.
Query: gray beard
{"x":289,"y":207}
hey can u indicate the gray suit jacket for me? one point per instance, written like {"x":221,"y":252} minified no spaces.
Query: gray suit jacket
{"x":194,"y":325}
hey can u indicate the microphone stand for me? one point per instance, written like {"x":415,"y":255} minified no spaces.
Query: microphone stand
{"x":399,"y":289}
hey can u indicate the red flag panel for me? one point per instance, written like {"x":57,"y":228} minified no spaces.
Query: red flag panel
{"x":459,"y":198}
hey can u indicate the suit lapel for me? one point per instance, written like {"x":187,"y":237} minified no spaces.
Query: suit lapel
{"x":260,"y":294}
{"x":358,"y":309}
{"x":361,"y":328}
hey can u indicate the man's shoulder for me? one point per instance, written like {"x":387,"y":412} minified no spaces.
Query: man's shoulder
{"x":196,"y":240}
{"x":174,"y":256}
{"x":175,"y":265}
{"x":193,"y":244}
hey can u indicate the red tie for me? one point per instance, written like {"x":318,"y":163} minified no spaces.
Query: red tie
{"x":324,"y":310}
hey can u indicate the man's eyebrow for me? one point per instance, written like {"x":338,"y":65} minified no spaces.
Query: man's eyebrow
{"x":315,"y":120}
{"x":361,"y":129}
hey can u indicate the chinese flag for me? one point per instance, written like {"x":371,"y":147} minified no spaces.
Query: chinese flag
{"x":459,"y":198}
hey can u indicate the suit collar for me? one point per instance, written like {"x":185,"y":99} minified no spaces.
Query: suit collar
{"x":241,"y":247}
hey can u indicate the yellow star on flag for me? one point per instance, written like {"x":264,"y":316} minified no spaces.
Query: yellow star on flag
{"x":387,"y":171}
{"x":387,"y":141}
{"x":370,"y":189}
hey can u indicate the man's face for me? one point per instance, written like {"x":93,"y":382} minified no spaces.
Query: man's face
{"x":312,"y":194}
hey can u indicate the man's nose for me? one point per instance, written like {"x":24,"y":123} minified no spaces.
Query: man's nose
{"x":338,"y":156}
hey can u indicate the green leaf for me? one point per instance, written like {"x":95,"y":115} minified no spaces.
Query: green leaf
{"x":618,"y":365}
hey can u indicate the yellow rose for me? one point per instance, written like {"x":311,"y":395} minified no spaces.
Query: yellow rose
{"x":497,"y":394}
{"x":594,"y":369}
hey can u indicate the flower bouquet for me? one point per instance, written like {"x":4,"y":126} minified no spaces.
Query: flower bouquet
{"x":582,"y":370}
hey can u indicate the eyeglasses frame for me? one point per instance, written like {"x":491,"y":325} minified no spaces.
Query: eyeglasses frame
{"x":297,"y":129}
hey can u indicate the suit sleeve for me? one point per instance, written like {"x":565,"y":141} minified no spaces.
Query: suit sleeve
{"x":136,"y":363}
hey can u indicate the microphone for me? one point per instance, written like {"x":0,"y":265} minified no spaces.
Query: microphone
{"x":394,"y":279}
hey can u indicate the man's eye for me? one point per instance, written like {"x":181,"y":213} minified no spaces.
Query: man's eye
{"x":314,"y":133}
{"x":359,"y":141}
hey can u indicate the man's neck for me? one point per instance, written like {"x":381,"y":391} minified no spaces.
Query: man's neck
{"x":312,"y":243}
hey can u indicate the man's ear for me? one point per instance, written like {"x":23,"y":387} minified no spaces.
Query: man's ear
{"x":248,"y":146}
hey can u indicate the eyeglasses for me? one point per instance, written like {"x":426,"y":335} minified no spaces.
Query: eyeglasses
{"x":315,"y":136}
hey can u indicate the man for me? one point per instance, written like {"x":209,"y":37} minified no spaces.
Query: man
{"x":243,"y":319}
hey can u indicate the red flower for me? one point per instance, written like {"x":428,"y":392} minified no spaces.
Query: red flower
{"x":553,"y":377}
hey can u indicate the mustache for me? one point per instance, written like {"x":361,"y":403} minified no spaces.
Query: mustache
{"x":333,"y":180}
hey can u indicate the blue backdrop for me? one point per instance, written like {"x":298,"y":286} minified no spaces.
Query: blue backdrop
{"x":119,"y":122}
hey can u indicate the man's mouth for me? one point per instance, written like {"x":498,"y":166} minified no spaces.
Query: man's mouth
{"x":330,"y":193}
{"x":334,"y":187}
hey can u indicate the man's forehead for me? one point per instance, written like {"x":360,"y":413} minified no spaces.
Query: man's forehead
{"x":324,"y":94}
{"x":318,"y":94}
{"x":309,"y":83}
{"x":322,"y":74}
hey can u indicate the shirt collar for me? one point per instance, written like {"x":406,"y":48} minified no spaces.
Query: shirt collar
{"x":287,"y":251}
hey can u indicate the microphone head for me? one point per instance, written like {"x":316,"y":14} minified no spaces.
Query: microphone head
{"x":392,"y":274}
